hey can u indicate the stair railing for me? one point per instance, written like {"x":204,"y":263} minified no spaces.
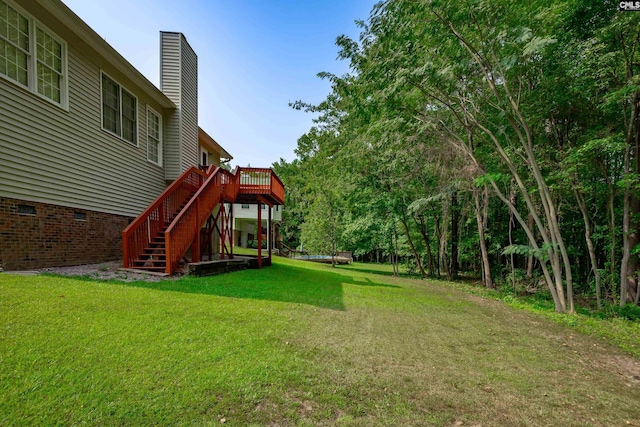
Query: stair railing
{"x":140,"y":232}
{"x":185,"y":228}
{"x":231,"y":185}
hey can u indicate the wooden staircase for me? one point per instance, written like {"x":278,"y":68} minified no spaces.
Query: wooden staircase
{"x":159,"y":238}
{"x":154,"y":256}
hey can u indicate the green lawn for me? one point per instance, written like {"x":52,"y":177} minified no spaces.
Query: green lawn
{"x":297,"y":344}
{"x":373,"y":268}
{"x":238,"y":250}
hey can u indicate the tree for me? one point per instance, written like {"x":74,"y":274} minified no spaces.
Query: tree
{"x":524,"y":116}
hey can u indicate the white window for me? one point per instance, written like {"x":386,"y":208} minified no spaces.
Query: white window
{"x":154,"y":137}
{"x":119,"y":110}
{"x":31,"y":55}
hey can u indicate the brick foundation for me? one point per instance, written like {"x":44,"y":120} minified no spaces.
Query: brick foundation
{"x":56,"y":235}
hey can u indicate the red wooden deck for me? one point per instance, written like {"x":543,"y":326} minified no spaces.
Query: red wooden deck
{"x":159,"y":238}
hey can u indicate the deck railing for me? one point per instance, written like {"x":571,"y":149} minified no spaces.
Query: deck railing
{"x":139,"y":234}
{"x":277,"y":188}
{"x":260,"y":181}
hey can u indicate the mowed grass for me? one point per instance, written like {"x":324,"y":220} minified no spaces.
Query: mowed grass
{"x":296,"y":344}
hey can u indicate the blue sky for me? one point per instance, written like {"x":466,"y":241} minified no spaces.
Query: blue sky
{"x":254,"y":57}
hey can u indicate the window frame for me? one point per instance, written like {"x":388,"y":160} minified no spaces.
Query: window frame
{"x":33,"y":62}
{"x":121,"y":87}
{"x":160,"y":142}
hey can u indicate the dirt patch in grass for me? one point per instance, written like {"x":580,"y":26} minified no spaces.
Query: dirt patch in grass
{"x":624,"y":366}
{"x":106,"y":271}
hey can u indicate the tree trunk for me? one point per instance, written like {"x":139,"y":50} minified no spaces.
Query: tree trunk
{"x":628,"y":269}
{"x":634,"y":231}
{"x":394,"y":246}
{"x":484,"y":253}
{"x":612,"y":233}
{"x":626,"y":248}
{"x":413,"y":248}
{"x":557,"y":298}
{"x":530,"y":258}
{"x":442,"y":239}
{"x":425,"y":237}
{"x":630,"y":237}
{"x":438,"y":238}
{"x":513,"y":200}
{"x":547,"y":230}
{"x":333,"y":254}
{"x":592,"y":253}
{"x":550,"y":231}
{"x":455,"y":234}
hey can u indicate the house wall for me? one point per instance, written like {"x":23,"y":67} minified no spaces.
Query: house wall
{"x":61,"y":161}
{"x":53,"y":237}
{"x":213,"y":158}
{"x":179,"y":81}
{"x":65,"y":158}
{"x":189,"y":105}
{"x":252,"y":212}
{"x":170,"y":85}
{"x":243,"y":228}
{"x":246,"y":220}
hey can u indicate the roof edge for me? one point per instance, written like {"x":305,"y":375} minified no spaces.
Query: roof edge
{"x":207,"y":138}
{"x":72,"y":21}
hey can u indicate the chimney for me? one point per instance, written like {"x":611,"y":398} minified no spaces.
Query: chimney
{"x":179,"y":81}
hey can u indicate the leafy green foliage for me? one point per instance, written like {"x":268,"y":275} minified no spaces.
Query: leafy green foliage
{"x":533,"y":101}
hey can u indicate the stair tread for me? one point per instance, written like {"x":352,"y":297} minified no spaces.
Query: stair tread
{"x":152,"y":251}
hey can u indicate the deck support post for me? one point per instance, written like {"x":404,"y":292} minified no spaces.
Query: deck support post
{"x":259,"y":230}
{"x":223,"y":225}
{"x":269,"y":235}
{"x":231,"y":236}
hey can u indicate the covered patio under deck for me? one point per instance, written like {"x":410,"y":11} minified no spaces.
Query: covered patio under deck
{"x":255,"y":186}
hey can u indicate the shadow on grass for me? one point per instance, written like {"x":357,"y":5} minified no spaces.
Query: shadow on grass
{"x":279,"y":282}
{"x":374,"y":271}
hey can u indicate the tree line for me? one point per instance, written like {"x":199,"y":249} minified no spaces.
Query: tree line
{"x":493,"y":138}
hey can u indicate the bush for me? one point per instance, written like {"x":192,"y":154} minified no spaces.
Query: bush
{"x":253,"y":244}
{"x":629,"y":311}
